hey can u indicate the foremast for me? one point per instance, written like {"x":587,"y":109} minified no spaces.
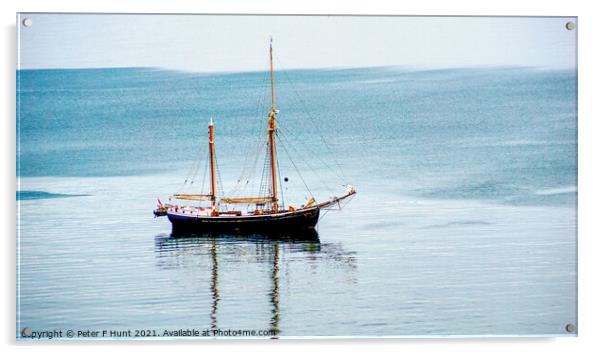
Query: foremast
{"x":272,"y":138}
{"x":212,"y":196}
{"x":212,"y":162}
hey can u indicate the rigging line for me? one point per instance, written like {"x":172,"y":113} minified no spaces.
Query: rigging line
{"x":249,"y":176}
{"x":317,"y":154}
{"x":191,"y":81}
{"x":248,"y":173}
{"x":306,"y":112}
{"x":219,"y":177}
{"x":294,"y":165}
{"x":263,"y":188}
{"x":249,"y":166}
{"x":262,"y":113}
{"x":190,"y":179}
{"x":196,"y":170}
{"x":257,"y":112}
{"x":340,"y":174}
{"x":205,"y":174}
{"x":258,"y":144}
{"x":253,"y":170}
{"x":328,"y":210}
{"x":284,"y":136}
{"x":260,"y":147}
{"x":309,"y":166}
{"x":194,"y":166}
{"x":323,"y":214}
{"x":265,"y":185}
{"x":280,"y":180}
{"x":179,"y":112}
{"x":337,"y":162}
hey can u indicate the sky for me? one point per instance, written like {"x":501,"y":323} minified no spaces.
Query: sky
{"x":218,"y":43}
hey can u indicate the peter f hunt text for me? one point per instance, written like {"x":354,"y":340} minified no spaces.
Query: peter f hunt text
{"x":91,"y":334}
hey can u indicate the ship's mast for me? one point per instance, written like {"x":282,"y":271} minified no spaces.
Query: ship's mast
{"x":212,"y":159}
{"x":271,"y":137}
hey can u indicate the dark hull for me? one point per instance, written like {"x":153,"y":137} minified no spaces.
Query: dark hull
{"x":282,"y":223}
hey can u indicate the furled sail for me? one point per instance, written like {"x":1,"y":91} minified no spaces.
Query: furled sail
{"x":198,"y":197}
{"x":252,"y":200}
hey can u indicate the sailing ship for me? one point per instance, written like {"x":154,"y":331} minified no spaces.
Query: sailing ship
{"x":264,"y":213}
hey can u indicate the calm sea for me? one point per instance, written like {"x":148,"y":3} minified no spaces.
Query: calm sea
{"x":464,"y":222}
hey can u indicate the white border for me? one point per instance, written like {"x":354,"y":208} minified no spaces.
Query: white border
{"x":590,"y":116}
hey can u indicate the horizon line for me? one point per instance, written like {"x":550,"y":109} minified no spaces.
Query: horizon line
{"x":408,"y":68}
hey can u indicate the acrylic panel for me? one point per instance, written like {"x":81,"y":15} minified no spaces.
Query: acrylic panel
{"x":277,"y":176}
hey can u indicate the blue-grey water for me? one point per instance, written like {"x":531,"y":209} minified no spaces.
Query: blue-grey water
{"x":464,"y":222}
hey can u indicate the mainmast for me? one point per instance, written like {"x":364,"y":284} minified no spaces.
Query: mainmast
{"x":271,"y":137}
{"x":212,"y":159}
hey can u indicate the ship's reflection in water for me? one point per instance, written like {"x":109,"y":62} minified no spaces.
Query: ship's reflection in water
{"x":274,"y":253}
